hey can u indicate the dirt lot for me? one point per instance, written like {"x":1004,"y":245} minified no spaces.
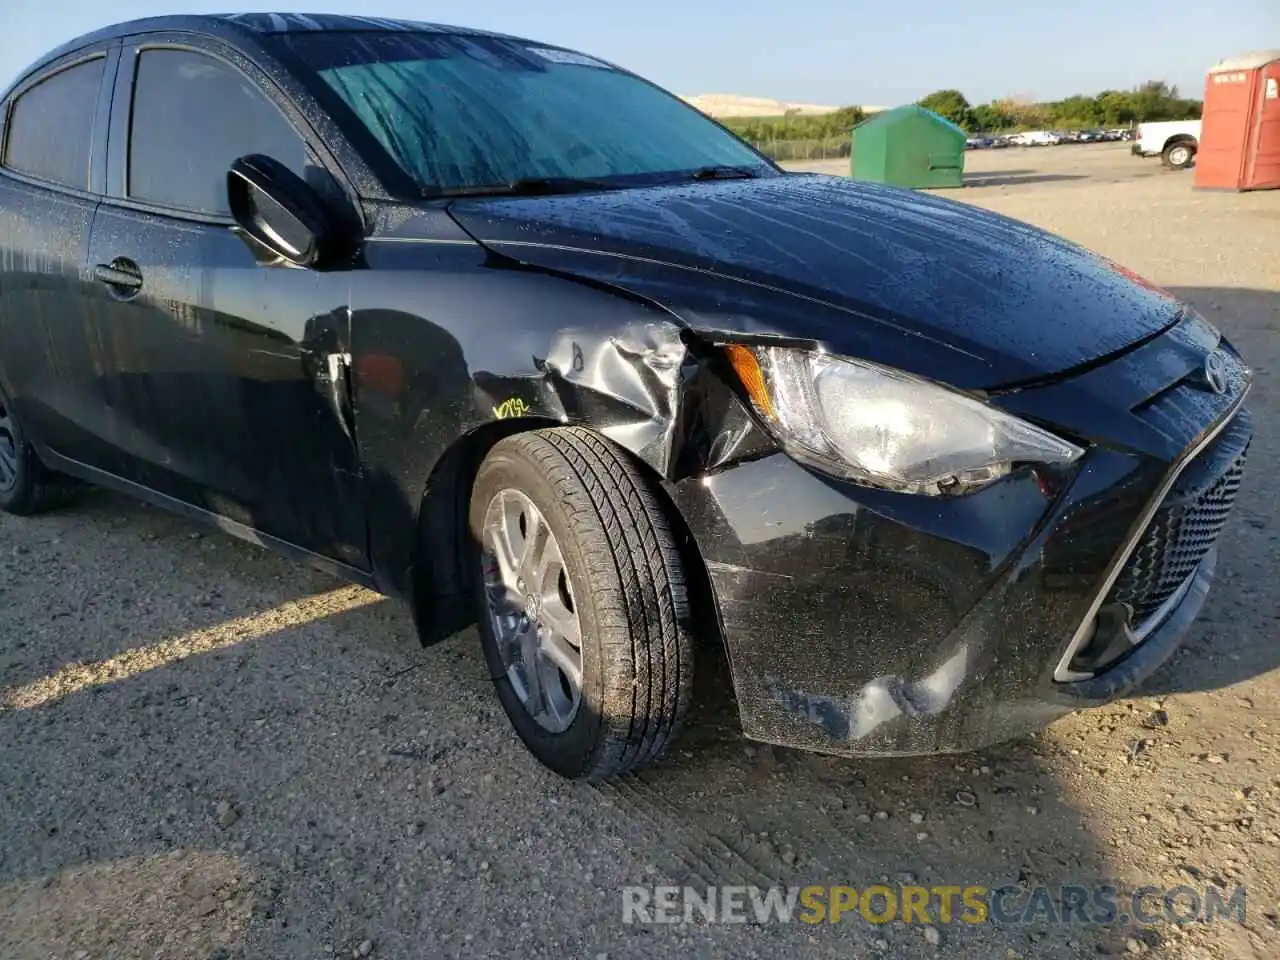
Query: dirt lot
{"x":206,"y":752}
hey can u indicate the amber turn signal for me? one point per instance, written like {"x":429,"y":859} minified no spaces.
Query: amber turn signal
{"x":747,"y":367}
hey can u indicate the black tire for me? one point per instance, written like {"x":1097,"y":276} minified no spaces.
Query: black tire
{"x":621,"y":557}
{"x":1179,"y":155}
{"x":27,"y":486}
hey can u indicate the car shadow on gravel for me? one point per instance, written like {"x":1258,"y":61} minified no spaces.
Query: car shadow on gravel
{"x":161,"y":808}
{"x":329,"y":782}
{"x":73,"y":599}
{"x":350,"y":785}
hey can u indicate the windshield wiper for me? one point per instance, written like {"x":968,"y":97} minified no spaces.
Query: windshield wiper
{"x":723,"y":173}
{"x":527,"y":187}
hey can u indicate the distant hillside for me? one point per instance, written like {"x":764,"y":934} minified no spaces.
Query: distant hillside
{"x":728,"y":105}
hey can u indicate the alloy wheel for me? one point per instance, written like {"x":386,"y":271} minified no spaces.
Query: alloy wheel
{"x":8,"y":450}
{"x":532,"y":610}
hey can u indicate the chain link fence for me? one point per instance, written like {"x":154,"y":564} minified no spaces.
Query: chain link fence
{"x":830,"y":148}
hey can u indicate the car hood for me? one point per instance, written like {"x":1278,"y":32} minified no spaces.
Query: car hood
{"x":1007,"y":301}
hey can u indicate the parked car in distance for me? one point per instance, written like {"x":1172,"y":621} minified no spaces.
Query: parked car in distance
{"x":1037,"y":138}
{"x":506,"y":331}
{"x":1097,"y":136}
{"x":1175,"y":142}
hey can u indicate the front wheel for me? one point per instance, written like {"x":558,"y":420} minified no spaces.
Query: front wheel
{"x":1178,"y":156}
{"x":583,"y":606}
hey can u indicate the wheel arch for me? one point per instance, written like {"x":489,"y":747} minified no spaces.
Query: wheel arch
{"x":441,"y":580}
{"x":1181,"y":138}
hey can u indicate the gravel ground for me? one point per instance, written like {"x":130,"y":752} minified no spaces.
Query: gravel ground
{"x":207,"y":752}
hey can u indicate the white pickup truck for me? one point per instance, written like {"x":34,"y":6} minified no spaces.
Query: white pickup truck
{"x":1175,"y":142}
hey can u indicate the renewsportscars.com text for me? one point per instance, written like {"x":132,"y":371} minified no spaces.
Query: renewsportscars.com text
{"x":1098,"y":904}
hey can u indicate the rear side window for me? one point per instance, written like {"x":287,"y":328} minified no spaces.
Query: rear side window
{"x":50,"y":133}
{"x":192,"y":117}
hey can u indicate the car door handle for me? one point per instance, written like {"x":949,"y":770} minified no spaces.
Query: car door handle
{"x":121,"y":275}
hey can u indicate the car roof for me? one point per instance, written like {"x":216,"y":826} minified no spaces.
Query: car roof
{"x":244,"y":26}
{"x":312,"y":22}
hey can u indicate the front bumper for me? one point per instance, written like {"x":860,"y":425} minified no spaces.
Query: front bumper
{"x":862,"y":622}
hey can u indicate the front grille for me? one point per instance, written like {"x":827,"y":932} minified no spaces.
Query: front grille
{"x":1185,"y":527}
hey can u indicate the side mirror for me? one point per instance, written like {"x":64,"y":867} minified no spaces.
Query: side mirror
{"x":277,"y":208}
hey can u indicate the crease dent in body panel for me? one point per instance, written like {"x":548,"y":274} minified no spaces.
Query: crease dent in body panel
{"x":638,"y":371}
{"x":883,"y":699}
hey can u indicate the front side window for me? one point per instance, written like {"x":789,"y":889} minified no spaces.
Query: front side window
{"x":457,"y":112}
{"x":51,"y":126}
{"x":192,"y":117}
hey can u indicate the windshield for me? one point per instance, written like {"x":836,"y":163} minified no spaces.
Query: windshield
{"x":459,"y":111}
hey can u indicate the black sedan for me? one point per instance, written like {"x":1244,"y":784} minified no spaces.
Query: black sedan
{"x":505,"y":330}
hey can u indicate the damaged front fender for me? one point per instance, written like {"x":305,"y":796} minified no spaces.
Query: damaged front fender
{"x":454,"y":346}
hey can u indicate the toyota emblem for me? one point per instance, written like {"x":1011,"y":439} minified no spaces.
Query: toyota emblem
{"x":1215,"y":372}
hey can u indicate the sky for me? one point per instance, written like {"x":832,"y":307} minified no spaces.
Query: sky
{"x":815,"y":51}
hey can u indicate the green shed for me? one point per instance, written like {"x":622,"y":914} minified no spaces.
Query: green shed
{"x":908,"y":146}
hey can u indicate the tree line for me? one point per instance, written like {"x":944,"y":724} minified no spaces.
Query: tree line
{"x":1154,"y":100}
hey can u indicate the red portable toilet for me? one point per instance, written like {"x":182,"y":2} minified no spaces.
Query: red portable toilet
{"x":1240,"y":132}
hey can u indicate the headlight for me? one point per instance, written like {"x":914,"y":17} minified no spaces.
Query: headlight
{"x":885,"y":428}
